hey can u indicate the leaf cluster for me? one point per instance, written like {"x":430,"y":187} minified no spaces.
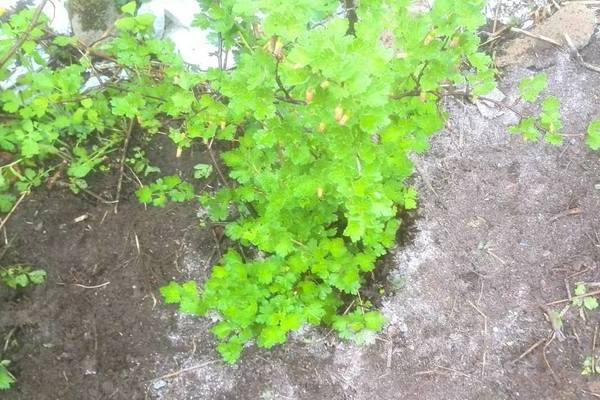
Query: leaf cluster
{"x":21,"y":276}
{"x":6,"y":378}
{"x":549,"y":121}
{"x":67,"y":108}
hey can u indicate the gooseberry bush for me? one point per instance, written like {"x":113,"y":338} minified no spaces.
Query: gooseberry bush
{"x":325,"y":105}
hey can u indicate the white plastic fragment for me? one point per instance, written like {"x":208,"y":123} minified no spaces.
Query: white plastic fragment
{"x":94,"y":82}
{"x":11,"y":81}
{"x":56,"y":11}
{"x":489,"y":110}
{"x":174,"y":21}
{"x":194,"y":47}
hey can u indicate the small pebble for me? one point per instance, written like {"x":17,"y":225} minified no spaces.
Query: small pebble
{"x":159,"y":384}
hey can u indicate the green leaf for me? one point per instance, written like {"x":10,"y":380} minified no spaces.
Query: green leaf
{"x":374,"y":321}
{"x":554,"y":139}
{"x":87,"y":103}
{"x":64,"y":41}
{"x":6,"y":378}
{"x":527,"y":128}
{"x":271,"y":336}
{"x":30,"y":148}
{"x":593,"y":138}
{"x":129,"y":8}
{"x":410,"y":199}
{"x":222,"y":330}
{"x":171,"y":293}
{"x":230,"y":351}
{"x":580,"y":289}
{"x":530,"y":88}
{"x":144,"y":195}
{"x":37,"y":277}
{"x":202,"y":171}
{"x":81,"y":169}
{"x":21,"y":280}
{"x":6,"y":202}
{"x":591,"y":303}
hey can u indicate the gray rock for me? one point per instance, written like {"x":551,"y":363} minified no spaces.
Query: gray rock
{"x":90,"y":19}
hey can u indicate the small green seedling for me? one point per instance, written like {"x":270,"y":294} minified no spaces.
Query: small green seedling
{"x":581,"y":299}
{"x":202,"y":171}
{"x":21,"y":276}
{"x":531,"y":88}
{"x":590,"y":366}
{"x":169,"y":188}
{"x":593,"y":139}
{"x":549,"y":122}
{"x":139,"y":162}
{"x":6,"y":378}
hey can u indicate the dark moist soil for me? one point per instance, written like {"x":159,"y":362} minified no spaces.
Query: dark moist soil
{"x":91,"y":331}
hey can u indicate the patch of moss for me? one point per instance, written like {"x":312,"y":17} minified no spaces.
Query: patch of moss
{"x":93,"y":14}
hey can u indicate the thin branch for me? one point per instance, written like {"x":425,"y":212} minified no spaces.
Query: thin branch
{"x":288,"y":98}
{"x":536,"y":36}
{"x":12,"y":210}
{"x":592,"y":293}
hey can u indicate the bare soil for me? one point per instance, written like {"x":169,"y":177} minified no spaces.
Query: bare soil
{"x":504,"y":227}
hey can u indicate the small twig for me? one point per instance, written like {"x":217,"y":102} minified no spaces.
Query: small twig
{"x":485,"y":317}
{"x":529,"y":350}
{"x":91,"y":287}
{"x":25,"y":36}
{"x":546,"y":358}
{"x":12,"y":210}
{"x":453,"y":371}
{"x":572,"y":211}
{"x":581,"y":296}
{"x":568,"y":289}
{"x":585,"y":391}
{"x":6,"y":247}
{"x":575,"y":54}
{"x":390,"y":353}
{"x":217,"y":244}
{"x":536,"y":36}
{"x":217,"y":168}
{"x":496,"y":11}
{"x":183,"y":371}
{"x":122,"y":163}
{"x":594,"y":348}
{"x":7,"y":341}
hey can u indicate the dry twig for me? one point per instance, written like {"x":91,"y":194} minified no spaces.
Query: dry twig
{"x":581,"y":296}
{"x":529,"y":350}
{"x":546,"y":358}
{"x":184,"y":370}
{"x":12,"y":210}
